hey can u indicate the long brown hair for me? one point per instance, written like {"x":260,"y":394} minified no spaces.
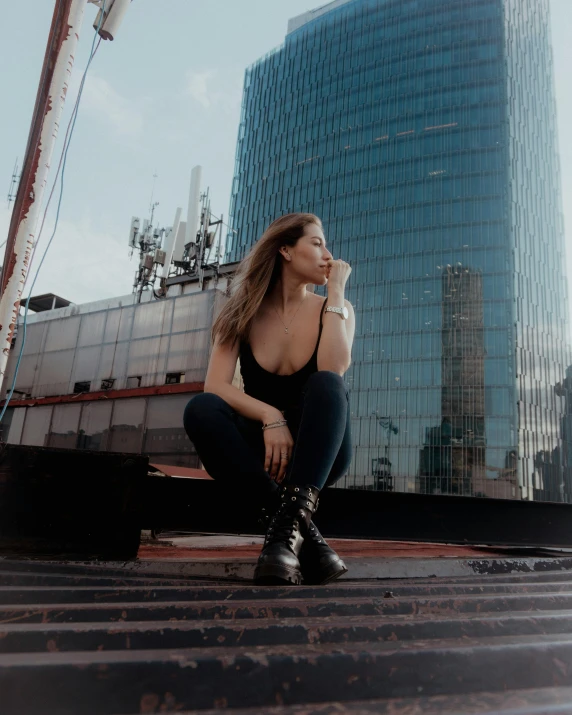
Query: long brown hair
{"x":256,"y":274}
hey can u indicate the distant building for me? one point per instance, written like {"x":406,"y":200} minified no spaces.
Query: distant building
{"x":553,"y":469}
{"x":452,"y":461}
{"x":423,"y":133}
{"x":114,"y":375}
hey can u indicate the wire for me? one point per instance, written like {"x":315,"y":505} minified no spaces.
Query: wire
{"x":224,"y":224}
{"x":73,"y":114}
{"x":62,"y":165}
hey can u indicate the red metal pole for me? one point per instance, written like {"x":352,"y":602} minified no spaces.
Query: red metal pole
{"x":50,"y":98}
{"x":58,"y":32}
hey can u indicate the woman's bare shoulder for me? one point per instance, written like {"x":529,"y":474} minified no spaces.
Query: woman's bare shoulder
{"x":319,"y":299}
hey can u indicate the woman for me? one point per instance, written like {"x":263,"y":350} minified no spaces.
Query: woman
{"x":290,"y":426}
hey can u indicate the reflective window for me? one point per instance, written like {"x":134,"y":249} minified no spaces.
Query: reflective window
{"x":64,"y":427}
{"x":62,"y":334}
{"x":16,"y":425}
{"x":166,"y":441}
{"x":5,"y":424}
{"x":92,"y":328}
{"x":127,"y":426}
{"x":86,"y":363}
{"x":94,"y":425}
{"x":152,"y":319}
{"x":36,"y":426}
{"x":53,"y":376}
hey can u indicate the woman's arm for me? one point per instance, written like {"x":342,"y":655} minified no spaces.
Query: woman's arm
{"x":220,"y":373}
{"x":277,"y":441}
{"x":335,"y":351}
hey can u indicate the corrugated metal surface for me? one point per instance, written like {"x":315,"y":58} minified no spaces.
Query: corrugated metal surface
{"x":92,"y":640}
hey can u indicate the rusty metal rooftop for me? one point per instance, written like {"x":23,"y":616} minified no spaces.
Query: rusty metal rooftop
{"x":234,"y":556}
{"x":94,"y":639}
{"x":457,"y":606}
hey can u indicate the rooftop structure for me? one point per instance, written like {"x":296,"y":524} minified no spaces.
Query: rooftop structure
{"x":47,"y":301}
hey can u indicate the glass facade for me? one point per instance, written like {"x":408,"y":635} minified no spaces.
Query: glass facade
{"x":123,"y":345}
{"x":423,"y":133}
{"x":147,"y":425}
{"x":112,"y":345}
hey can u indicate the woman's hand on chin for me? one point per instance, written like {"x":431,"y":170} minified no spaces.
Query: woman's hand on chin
{"x":337,"y":273}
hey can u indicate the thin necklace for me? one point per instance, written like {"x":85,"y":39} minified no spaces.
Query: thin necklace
{"x":295,"y":314}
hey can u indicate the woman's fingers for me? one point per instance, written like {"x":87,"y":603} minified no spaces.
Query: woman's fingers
{"x":277,"y":454}
{"x":275,"y":461}
{"x":268,"y":458}
{"x":284,"y":460}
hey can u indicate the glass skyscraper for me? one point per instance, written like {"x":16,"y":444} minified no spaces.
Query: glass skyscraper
{"x":423,"y":133}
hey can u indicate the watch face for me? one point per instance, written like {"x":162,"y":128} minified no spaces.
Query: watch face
{"x":345,"y":312}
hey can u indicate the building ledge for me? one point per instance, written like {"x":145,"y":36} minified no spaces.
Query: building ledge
{"x":174,"y":389}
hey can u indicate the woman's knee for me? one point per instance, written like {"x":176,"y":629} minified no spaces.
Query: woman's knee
{"x":326,"y":379}
{"x":201,"y":408}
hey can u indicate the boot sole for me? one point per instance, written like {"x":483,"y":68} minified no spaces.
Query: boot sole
{"x":270,"y":575}
{"x":327,"y":576}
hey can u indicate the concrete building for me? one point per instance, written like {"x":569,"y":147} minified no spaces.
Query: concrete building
{"x":114,"y":375}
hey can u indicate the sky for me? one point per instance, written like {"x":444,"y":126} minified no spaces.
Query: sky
{"x":163,"y":96}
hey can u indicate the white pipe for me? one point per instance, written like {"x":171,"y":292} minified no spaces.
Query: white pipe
{"x":26,"y":235}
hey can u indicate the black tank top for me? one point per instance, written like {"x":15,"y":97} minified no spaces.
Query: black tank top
{"x":280,"y":391}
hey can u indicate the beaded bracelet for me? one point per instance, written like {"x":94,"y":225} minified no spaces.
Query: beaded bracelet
{"x":278,"y":423}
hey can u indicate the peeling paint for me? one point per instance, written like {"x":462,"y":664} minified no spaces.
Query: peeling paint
{"x":20,"y":244}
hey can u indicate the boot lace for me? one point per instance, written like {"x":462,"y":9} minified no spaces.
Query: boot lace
{"x":282,"y":527}
{"x":314,"y":535}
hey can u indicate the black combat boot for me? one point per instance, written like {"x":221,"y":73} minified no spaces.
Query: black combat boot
{"x":319,"y":563}
{"x":268,"y":509}
{"x":278,"y":563}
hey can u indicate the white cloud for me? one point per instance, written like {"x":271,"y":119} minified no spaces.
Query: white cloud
{"x":105,"y":103}
{"x":213,"y":91}
{"x":83,"y":263}
{"x":198,"y":87}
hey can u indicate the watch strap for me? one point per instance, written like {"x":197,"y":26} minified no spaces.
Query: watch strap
{"x":335,"y":309}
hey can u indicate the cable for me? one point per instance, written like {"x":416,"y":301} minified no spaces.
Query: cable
{"x":73,"y":114}
{"x":62,"y":164}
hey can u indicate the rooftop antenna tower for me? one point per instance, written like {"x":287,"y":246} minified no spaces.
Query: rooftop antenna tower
{"x":169,"y":246}
{"x":148,"y":240}
{"x":151,"y":204}
{"x":208,"y":239}
{"x":185,"y":248}
{"x":14,"y":182}
{"x":193,"y":207}
{"x":194,"y":247}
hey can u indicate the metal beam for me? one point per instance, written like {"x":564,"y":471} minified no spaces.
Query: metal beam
{"x":175,"y":389}
{"x":50,"y":100}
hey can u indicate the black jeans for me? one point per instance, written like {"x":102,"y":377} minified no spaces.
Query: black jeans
{"x":231,"y":447}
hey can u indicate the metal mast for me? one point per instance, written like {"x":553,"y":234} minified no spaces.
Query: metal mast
{"x":50,"y":99}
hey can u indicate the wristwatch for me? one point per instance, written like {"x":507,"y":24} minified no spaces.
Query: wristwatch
{"x":340,"y":311}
